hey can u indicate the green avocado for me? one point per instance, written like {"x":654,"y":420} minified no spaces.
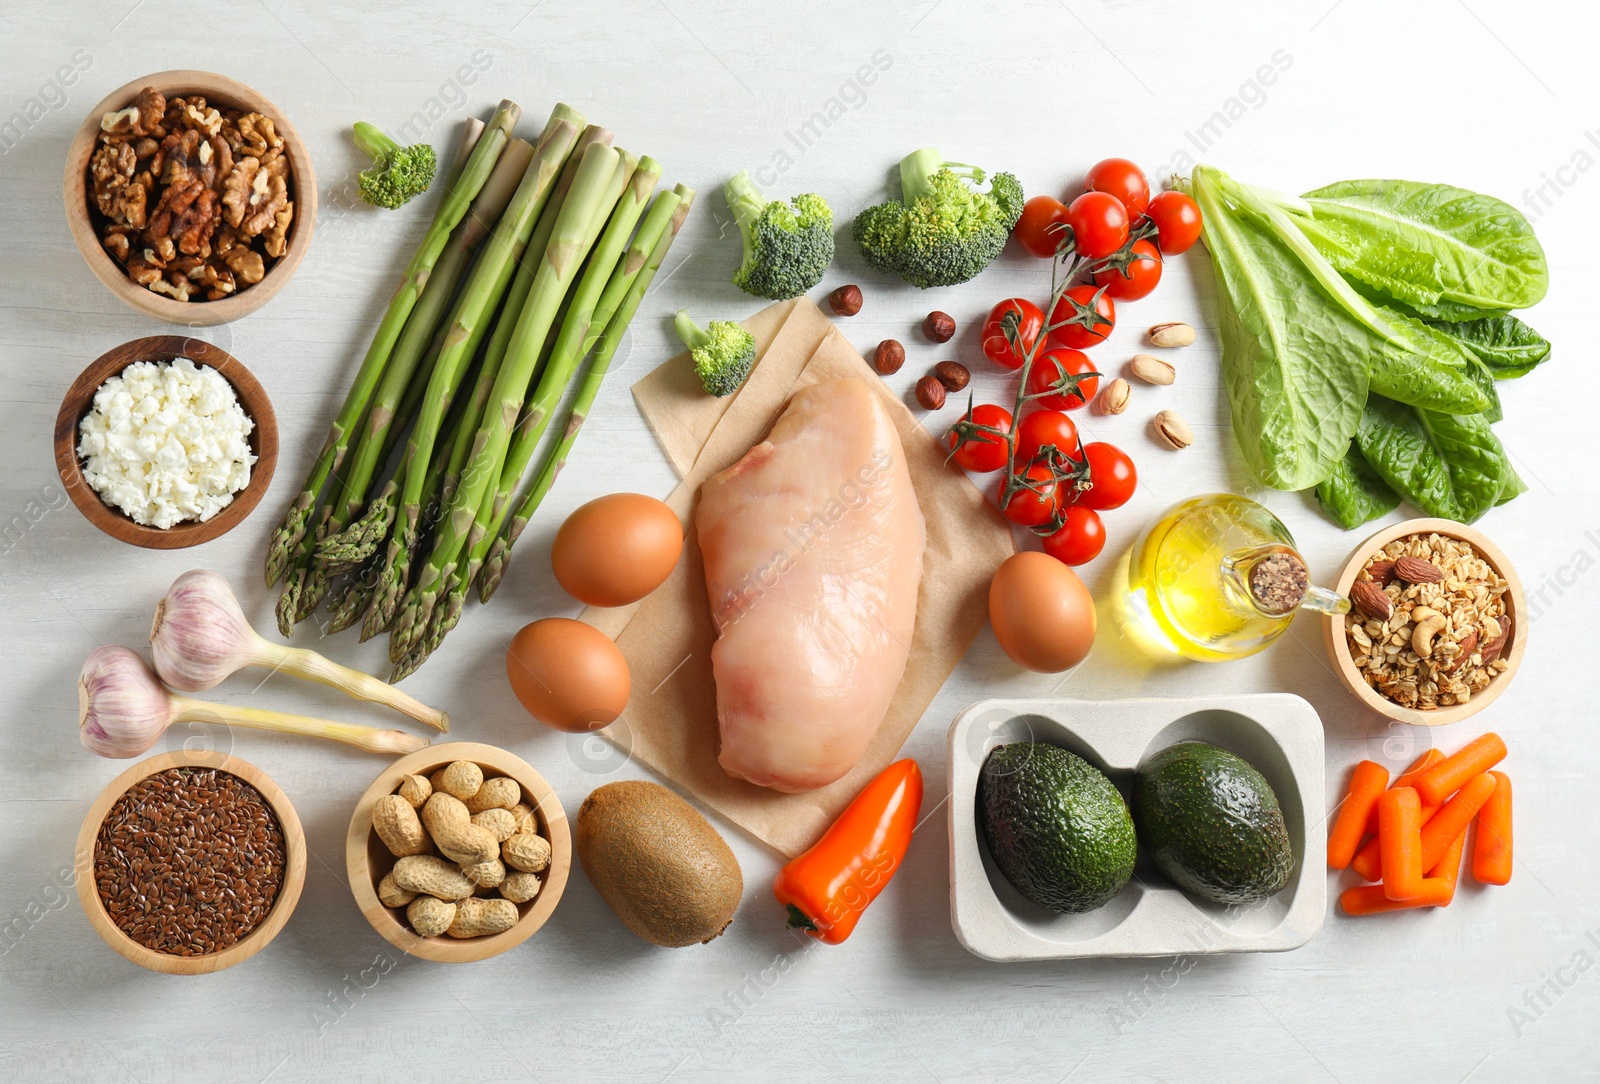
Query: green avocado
{"x":1211,"y":824}
{"x":1056,"y":826}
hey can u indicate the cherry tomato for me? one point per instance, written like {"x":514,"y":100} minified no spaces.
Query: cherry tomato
{"x":1054,"y":376}
{"x":1081,"y":538}
{"x":1137,"y":277}
{"x":1033,"y":506}
{"x":1086,"y":315}
{"x":1046,"y":428}
{"x":1025,"y":318}
{"x":1177,"y":219}
{"x":1099,"y":224}
{"x":1040,"y":229}
{"x":978,"y":441}
{"x":1112,"y":477}
{"x":1121,"y":178}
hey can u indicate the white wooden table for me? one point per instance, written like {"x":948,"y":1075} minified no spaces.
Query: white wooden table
{"x":1492,"y":95}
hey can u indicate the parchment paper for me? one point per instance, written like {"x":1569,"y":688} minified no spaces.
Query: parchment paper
{"x":671,"y":720}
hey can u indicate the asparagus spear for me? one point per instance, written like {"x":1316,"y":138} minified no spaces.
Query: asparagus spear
{"x":620,"y":207}
{"x":461,"y":444}
{"x":558,"y":266}
{"x":470,"y":319}
{"x":404,"y":368}
{"x":485,"y":152}
{"x":308,"y":578}
{"x":668,"y":213}
{"x":494,"y":566}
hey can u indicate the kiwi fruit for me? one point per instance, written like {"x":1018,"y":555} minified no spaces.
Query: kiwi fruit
{"x":658,"y":863}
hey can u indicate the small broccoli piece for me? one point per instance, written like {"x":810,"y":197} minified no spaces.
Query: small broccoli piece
{"x":398,"y":173}
{"x":787,"y":246}
{"x":723,"y":352}
{"x":943,"y":230}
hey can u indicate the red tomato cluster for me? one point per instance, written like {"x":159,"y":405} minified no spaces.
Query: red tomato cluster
{"x":1113,"y":239}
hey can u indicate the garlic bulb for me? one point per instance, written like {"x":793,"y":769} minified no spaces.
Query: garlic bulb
{"x":200,"y":635}
{"x":123,"y":710}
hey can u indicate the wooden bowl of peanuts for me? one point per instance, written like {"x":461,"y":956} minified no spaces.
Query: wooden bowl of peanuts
{"x":190,"y":196}
{"x":458,"y":852}
{"x":1438,"y":624}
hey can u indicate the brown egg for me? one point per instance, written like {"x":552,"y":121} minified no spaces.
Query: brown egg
{"x":1042,"y":613}
{"x":616,"y":549}
{"x":568,"y":675}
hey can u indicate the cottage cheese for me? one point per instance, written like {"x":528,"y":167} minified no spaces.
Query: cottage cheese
{"x":166,"y":442}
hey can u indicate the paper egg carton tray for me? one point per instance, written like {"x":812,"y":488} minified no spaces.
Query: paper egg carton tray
{"x":1279,"y":734}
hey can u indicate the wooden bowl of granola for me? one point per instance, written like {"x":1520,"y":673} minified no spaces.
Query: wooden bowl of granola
{"x":1438,"y":629}
{"x":190,"y":196}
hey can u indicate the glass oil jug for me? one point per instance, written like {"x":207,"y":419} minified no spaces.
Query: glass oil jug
{"x":1217,"y":577}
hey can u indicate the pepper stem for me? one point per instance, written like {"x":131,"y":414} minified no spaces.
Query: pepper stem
{"x":799,"y":921}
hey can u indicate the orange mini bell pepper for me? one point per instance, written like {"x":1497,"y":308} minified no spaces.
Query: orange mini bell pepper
{"x":828,"y":888}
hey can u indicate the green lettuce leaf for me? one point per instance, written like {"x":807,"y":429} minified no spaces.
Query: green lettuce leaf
{"x":1446,"y":465}
{"x":1293,"y":360}
{"x":1354,"y":494}
{"x":1508,"y":347}
{"x":1440,"y":249}
{"x":1426,"y":368}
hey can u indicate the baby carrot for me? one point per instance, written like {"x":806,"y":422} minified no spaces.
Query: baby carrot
{"x":1449,"y":866}
{"x":1369,"y":861}
{"x":1453,"y":817}
{"x":1491,"y":844}
{"x":1367,"y":782}
{"x":1438,"y":887}
{"x":1451,"y":774}
{"x":1370,"y":900}
{"x":1407,"y":778}
{"x":1400,"y":843}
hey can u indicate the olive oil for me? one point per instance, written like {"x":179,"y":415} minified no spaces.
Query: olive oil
{"x":1217,"y":577}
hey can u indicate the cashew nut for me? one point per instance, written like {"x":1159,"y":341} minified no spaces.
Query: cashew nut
{"x":1426,"y":630}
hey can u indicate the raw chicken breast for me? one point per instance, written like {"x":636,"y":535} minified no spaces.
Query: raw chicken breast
{"x":813,"y":552}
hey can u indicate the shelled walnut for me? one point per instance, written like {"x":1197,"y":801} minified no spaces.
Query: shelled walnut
{"x":194,"y":200}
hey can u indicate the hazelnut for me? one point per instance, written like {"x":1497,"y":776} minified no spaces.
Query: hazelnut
{"x":930,"y":393}
{"x":845,"y":301}
{"x":952,"y":374}
{"x":939,"y":327}
{"x":888,"y":358}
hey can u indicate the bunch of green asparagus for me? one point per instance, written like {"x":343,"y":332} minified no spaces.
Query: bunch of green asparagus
{"x":537,"y":258}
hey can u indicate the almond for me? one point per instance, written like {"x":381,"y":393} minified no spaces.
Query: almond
{"x":1416,"y":570}
{"x":1371,"y":600}
{"x":1468,"y":644}
{"x":1381,"y":572}
{"x":1493,"y":649}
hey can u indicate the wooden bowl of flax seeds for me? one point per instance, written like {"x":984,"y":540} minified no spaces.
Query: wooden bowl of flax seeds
{"x":189,"y":863}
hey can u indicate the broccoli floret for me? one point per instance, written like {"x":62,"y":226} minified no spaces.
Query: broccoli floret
{"x":943,"y":230}
{"x":722,"y":352}
{"x":787,"y":246}
{"x":398,"y":173}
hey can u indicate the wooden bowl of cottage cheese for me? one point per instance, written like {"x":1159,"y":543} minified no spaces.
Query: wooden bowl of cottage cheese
{"x":166,"y":442}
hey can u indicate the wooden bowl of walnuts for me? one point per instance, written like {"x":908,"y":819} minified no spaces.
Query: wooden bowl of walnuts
{"x":1438,"y":623}
{"x":458,"y":852}
{"x":190,"y":196}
